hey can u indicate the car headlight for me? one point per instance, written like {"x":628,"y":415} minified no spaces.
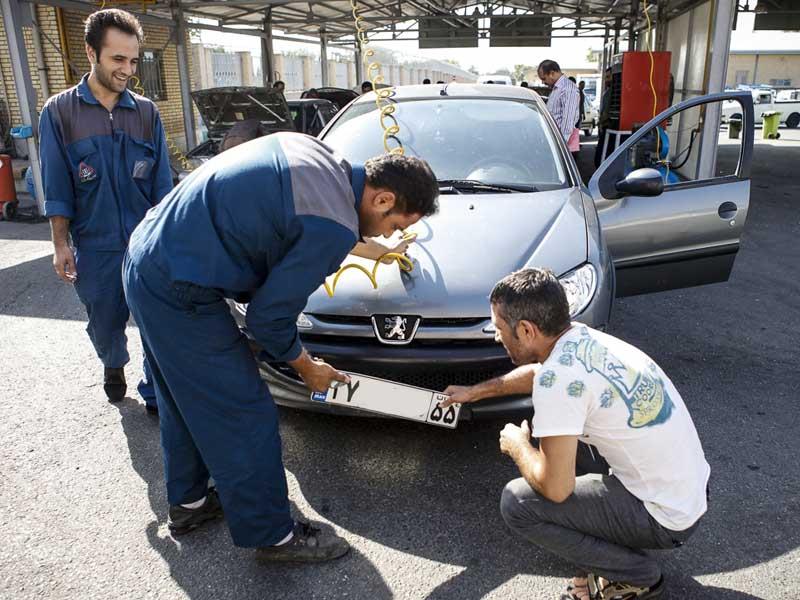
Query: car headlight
{"x":303,"y":322}
{"x":580,"y":286}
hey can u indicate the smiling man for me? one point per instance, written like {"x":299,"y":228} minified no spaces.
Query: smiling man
{"x":104,"y":164}
{"x":264,"y":223}
{"x":619,"y":467}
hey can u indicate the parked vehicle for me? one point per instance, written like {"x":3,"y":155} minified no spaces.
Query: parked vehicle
{"x":339,"y":97}
{"x":221,"y":108}
{"x":589,"y":115}
{"x":511,"y":197}
{"x":497,"y":79}
{"x":765,"y":101}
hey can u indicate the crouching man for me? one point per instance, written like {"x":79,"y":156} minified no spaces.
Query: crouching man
{"x":619,"y":467}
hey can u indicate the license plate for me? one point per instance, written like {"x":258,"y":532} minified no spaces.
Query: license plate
{"x":392,"y":399}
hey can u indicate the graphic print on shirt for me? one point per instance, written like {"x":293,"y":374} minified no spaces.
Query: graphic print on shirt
{"x":86,"y":172}
{"x":642,"y":391}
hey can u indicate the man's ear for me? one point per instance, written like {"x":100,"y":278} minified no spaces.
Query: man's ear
{"x":384,"y":201}
{"x":90,"y":54}
{"x":527,"y":331}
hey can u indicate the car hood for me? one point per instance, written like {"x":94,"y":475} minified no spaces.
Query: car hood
{"x":222,"y":107}
{"x":462,"y":251}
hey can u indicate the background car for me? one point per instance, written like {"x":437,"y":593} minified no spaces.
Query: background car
{"x":511,"y":197}
{"x":589,"y":116}
{"x":222,"y":108}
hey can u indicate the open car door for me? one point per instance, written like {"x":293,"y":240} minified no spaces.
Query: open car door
{"x":667,"y":222}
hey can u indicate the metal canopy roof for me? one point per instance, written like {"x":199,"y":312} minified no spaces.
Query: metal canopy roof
{"x":394,"y":19}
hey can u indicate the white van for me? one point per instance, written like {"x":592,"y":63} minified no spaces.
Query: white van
{"x":497,"y":79}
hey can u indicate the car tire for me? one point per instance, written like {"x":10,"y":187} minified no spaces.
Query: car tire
{"x":793,"y":120}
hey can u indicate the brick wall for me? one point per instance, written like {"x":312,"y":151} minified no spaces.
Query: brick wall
{"x":60,"y":79}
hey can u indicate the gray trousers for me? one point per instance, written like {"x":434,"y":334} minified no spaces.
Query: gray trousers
{"x":602,"y":528}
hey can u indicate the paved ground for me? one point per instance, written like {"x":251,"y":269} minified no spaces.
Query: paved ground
{"x":82,"y":509}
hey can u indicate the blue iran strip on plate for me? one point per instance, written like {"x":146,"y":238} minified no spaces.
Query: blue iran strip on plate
{"x":392,"y":399}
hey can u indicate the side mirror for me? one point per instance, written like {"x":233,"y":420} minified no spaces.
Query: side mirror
{"x":641,"y":182}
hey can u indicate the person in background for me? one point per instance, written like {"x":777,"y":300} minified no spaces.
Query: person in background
{"x":366,"y":87}
{"x":524,"y":84}
{"x":603,"y":118}
{"x":562,"y":102}
{"x":104,"y":164}
{"x":582,"y":105}
{"x":279,"y":86}
{"x":438,"y":82}
{"x":426,"y":81}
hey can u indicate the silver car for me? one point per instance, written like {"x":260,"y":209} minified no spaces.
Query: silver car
{"x":511,"y":197}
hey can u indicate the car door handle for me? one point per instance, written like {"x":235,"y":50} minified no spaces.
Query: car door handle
{"x":727,"y":210}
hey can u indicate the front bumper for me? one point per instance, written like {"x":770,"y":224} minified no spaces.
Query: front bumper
{"x":431,"y":368}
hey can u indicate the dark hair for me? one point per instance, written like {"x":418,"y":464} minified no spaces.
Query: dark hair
{"x":523,"y":84}
{"x":277,"y":83}
{"x":438,"y":82}
{"x":548,"y":66}
{"x":94,"y":31}
{"x":366,"y":84}
{"x":426,"y":80}
{"x":410,"y":178}
{"x":533,"y":295}
{"x":490,"y":81}
{"x":572,"y":79}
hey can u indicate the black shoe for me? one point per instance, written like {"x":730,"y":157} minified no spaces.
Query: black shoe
{"x":114,"y":384}
{"x":308,"y":544}
{"x":182,"y":520}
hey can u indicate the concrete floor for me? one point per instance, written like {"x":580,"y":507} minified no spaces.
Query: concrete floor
{"x":82,"y":502}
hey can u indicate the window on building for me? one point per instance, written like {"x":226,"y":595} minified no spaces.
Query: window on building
{"x":151,"y":75}
{"x":742,"y":77}
{"x":780,"y":82}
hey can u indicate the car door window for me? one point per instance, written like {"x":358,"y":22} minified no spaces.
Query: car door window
{"x":673,"y":146}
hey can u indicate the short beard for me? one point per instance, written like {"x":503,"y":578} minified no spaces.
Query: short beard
{"x":104,"y":78}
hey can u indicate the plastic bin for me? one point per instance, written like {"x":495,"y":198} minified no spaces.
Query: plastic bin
{"x":734,"y":128}
{"x":772,"y":120}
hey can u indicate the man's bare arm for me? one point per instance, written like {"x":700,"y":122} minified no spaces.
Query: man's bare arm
{"x":63,"y":257}
{"x":518,"y":381}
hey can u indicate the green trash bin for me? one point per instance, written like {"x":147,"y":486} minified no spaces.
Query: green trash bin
{"x":734,"y":128}
{"x":772,"y":120}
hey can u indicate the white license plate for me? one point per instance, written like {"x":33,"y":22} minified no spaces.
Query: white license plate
{"x":392,"y":399}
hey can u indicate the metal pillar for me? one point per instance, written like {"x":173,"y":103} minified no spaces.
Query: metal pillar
{"x":719,"y":44}
{"x":662,"y":26}
{"x":183,"y":75}
{"x":617,"y":30}
{"x":359,"y":58}
{"x":12,"y":18}
{"x":267,"y":51}
{"x":632,"y":25}
{"x":323,"y":56}
{"x":41,"y":66}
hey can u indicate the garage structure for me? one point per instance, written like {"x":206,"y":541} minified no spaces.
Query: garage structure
{"x":696,"y":32}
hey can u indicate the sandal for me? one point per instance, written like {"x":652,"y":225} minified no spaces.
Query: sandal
{"x":576,"y":590}
{"x":602,"y":589}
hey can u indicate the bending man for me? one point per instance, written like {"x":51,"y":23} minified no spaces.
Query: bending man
{"x":264,"y":223}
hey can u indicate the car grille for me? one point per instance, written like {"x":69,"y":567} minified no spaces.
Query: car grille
{"x":431,"y":379}
{"x":434,"y":322}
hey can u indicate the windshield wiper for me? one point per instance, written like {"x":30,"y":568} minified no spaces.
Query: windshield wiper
{"x":473,"y":185}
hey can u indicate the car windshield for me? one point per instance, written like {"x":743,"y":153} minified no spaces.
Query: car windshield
{"x":492,"y":141}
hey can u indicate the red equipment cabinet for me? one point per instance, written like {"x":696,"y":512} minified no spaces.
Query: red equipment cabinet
{"x":631,"y":102}
{"x":8,"y":191}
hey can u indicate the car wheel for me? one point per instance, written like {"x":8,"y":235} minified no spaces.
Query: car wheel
{"x":10,"y":210}
{"x":793,"y":120}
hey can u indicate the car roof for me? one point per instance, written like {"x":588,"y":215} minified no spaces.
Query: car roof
{"x":457,"y":90}
{"x":299,"y":101}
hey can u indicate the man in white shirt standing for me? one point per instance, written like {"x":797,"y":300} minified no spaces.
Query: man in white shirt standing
{"x":563,"y":103}
{"x":619,"y":467}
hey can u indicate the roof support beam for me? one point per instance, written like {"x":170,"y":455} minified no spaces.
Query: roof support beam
{"x":267,"y":51}
{"x":12,"y":18}
{"x":183,"y":76}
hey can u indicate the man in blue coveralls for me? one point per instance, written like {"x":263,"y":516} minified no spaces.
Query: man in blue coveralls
{"x":265,"y":223}
{"x":104,"y":164}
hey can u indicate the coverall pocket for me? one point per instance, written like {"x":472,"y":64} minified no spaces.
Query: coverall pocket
{"x":199,"y":300}
{"x":88,"y":164}
{"x":141,"y":161}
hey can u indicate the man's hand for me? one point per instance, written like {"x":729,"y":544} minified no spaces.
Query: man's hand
{"x":513,"y":439}
{"x":64,"y":263}
{"x":318,"y":375}
{"x":400,"y":248}
{"x":459,"y":394}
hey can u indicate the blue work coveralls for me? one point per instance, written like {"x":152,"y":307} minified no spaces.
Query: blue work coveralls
{"x":102,"y":171}
{"x":265,"y":223}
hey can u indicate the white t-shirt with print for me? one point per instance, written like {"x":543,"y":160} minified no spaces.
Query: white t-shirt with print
{"x":615,"y":397}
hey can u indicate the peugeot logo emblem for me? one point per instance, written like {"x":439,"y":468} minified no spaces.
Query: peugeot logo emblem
{"x":395,"y":329}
